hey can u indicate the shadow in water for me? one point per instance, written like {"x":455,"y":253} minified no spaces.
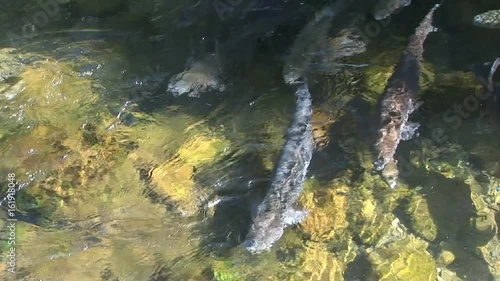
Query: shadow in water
{"x":240,"y":187}
{"x":453,"y":212}
{"x":359,"y":269}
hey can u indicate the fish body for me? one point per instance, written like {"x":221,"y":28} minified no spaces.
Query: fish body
{"x":399,"y":101}
{"x":312,"y":50}
{"x":484,"y":75}
{"x":489,"y":19}
{"x":277,"y":210}
{"x":385,"y":8}
{"x":309,"y":40}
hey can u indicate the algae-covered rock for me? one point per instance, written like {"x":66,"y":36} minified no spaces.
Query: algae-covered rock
{"x":374,"y":224}
{"x":445,"y":257}
{"x":377,"y":77}
{"x":157,"y":140}
{"x":421,"y":219}
{"x":10,"y":64}
{"x":444,"y":274}
{"x":71,"y":170}
{"x":491,"y":254}
{"x":174,"y":178}
{"x":201,"y":150}
{"x":55,"y":95}
{"x":327,"y":218}
{"x":320,"y":264}
{"x":399,"y":256}
{"x":34,"y":150}
{"x":224,"y":271}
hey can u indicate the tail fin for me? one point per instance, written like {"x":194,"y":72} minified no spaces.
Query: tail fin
{"x":416,"y":45}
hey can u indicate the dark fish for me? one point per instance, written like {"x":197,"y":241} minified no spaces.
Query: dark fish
{"x":385,"y":8}
{"x":277,"y":211}
{"x":313,"y":39}
{"x":484,"y":75}
{"x":400,"y":100}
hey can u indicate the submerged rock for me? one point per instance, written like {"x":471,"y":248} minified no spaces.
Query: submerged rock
{"x":421,"y":219}
{"x":173,"y":180}
{"x":54,"y":87}
{"x":10,"y":65}
{"x":399,"y":256}
{"x":319,"y":263}
{"x":200,"y":77}
{"x":328,"y":210}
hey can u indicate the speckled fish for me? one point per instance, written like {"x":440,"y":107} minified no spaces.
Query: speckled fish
{"x":385,"y":8}
{"x":399,"y":101}
{"x":278,"y":211}
{"x":490,"y":19}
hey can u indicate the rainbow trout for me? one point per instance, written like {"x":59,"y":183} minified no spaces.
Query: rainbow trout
{"x":277,"y":210}
{"x":399,"y":101}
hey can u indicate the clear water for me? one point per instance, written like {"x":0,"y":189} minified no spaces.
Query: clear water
{"x":118,"y":178}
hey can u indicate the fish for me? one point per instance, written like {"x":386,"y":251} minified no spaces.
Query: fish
{"x":278,"y":208}
{"x":489,"y":19}
{"x":484,"y":75}
{"x":385,"y":8}
{"x":399,"y":101}
{"x":314,"y":44}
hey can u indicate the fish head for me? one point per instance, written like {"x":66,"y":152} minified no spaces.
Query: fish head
{"x":390,"y":173}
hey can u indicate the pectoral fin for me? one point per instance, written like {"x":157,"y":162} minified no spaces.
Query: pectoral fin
{"x":409,"y":130}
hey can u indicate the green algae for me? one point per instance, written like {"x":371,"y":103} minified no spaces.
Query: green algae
{"x":224,"y":271}
{"x":405,"y":259}
{"x":100,"y":186}
{"x":421,"y":220}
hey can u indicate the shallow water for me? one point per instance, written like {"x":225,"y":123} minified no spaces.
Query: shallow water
{"x":118,"y":179}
